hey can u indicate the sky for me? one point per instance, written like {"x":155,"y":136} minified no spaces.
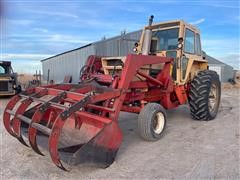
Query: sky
{"x":32,"y":30}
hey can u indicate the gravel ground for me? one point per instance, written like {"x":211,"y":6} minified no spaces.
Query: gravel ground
{"x":189,"y":149}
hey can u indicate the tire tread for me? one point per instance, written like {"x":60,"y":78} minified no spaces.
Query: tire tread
{"x":199,"y":93}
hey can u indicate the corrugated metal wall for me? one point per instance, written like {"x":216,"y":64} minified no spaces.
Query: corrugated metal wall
{"x":226,"y":70}
{"x":69,"y":63}
{"x":227,"y":73}
{"x":66,"y":64}
{"x":117,"y":46}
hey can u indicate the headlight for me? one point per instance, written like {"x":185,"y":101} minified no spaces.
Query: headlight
{"x":14,"y":86}
{"x":180,"y":46}
{"x":135,"y":49}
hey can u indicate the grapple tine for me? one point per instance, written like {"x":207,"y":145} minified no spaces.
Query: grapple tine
{"x":6,"y":116}
{"x":21,"y":140}
{"x":53,"y":142}
{"x":16,"y":123}
{"x":57,"y":128}
{"x":37,"y":117}
{"x":32,"y":132}
{"x":8,"y":123}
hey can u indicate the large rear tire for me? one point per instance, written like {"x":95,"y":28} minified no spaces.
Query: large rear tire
{"x":152,"y":122}
{"x":205,"y":95}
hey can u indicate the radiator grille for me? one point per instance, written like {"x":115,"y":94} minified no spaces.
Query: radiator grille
{"x":3,"y":85}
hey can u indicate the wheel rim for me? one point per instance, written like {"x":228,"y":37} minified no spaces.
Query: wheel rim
{"x":159,"y":123}
{"x":212,"y":100}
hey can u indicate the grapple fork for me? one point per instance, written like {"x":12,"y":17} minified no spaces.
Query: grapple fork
{"x":69,"y":116}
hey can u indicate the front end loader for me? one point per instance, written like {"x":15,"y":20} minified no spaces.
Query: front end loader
{"x":78,"y":123}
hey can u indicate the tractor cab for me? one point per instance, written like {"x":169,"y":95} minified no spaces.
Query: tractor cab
{"x":5,"y":67}
{"x":173,"y":39}
{"x":176,"y":39}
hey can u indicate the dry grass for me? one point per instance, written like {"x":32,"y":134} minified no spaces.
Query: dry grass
{"x":24,"y":79}
{"x":230,"y":86}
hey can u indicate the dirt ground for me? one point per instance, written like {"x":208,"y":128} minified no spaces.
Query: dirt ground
{"x":188,"y":150}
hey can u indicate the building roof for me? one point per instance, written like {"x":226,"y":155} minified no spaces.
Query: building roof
{"x":67,"y":52}
{"x":104,"y":40}
{"x":212,"y":60}
{"x":8,"y":63}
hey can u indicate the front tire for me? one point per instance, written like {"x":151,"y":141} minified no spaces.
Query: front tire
{"x":204,"y":96}
{"x":152,"y":122}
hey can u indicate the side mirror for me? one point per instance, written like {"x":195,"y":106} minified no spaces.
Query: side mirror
{"x":136,"y":44}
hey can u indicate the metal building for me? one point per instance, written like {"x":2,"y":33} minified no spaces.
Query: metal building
{"x":70,"y":62}
{"x":224,"y":71}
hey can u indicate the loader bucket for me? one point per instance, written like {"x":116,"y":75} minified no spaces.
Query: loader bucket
{"x":60,"y":118}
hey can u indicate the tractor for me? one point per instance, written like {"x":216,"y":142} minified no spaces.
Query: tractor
{"x":78,"y":123}
{"x":8,"y":80}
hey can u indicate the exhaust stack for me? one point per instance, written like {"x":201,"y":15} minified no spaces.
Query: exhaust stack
{"x":147,"y":37}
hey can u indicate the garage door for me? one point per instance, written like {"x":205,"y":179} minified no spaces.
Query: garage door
{"x":217,"y":69}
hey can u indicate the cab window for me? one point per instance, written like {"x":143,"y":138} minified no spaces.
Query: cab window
{"x":2,"y":70}
{"x":189,"y":42}
{"x":198,"y":45}
{"x":164,"y":40}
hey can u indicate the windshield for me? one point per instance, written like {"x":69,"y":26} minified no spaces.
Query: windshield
{"x":2,"y":70}
{"x":5,"y":69}
{"x":163,"y":40}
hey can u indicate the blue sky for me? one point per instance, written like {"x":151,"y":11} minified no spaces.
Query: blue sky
{"x":34,"y":30}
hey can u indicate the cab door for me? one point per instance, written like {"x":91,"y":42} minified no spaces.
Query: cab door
{"x":191,"y":52}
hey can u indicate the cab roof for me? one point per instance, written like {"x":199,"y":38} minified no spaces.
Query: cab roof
{"x":6,"y":63}
{"x":173,"y":23}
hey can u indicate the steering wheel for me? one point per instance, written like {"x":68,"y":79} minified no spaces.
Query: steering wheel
{"x":117,"y":63}
{"x":86,"y":71}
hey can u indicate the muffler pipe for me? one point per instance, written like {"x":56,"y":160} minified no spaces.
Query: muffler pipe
{"x":147,"y":37}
